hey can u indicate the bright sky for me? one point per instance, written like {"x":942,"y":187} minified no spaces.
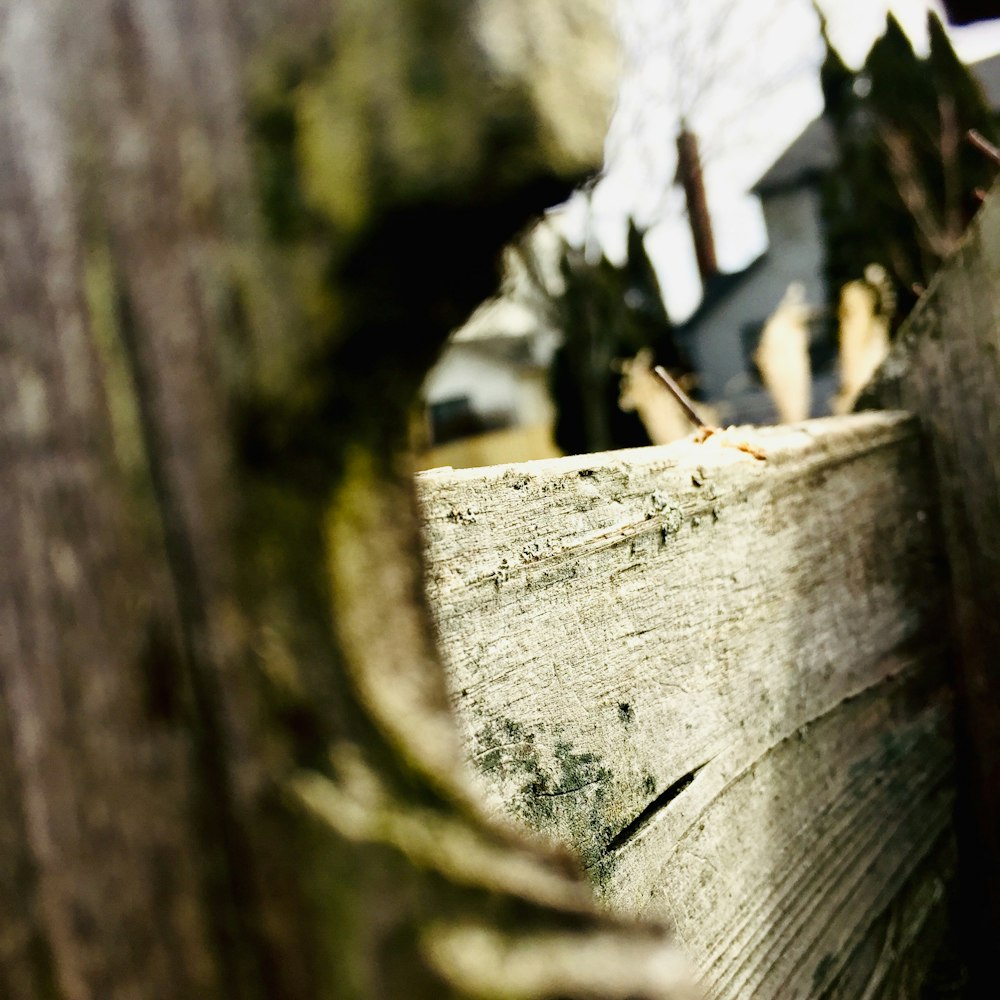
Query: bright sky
{"x":766,"y":90}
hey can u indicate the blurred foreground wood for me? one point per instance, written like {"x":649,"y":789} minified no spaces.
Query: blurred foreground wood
{"x":234,"y":237}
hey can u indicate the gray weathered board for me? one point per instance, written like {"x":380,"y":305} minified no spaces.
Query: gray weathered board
{"x":944,"y":368}
{"x":723,"y":682}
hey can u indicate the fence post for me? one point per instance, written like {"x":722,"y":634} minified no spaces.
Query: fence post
{"x":945,"y":368}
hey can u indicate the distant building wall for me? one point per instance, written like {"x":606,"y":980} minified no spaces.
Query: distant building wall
{"x":481,"y":385}
{"x":490,"y":383}
{"x":793,"y":220}
{"x":720,"y":339}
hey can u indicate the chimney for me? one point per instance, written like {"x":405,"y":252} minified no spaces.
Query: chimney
{"x":690,"y":176}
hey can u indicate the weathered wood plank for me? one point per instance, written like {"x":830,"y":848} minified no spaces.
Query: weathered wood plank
{"x":945,"y":368}
{"x":720,"y":680}
{"x":772,"y":869}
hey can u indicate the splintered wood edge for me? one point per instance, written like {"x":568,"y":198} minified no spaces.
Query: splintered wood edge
{"x":866,"y":430}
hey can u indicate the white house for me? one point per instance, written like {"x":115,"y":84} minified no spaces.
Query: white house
{"x":722,"y":333}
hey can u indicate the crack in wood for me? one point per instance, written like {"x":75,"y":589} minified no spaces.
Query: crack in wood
{"x":497,"y":747}
{"x":630,"y":830}
{"x":564,"y":791}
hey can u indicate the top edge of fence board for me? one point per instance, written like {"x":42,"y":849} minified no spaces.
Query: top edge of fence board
{"x":779,"y":442}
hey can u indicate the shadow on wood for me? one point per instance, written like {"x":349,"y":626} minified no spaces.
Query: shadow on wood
{"x":945,"y":368}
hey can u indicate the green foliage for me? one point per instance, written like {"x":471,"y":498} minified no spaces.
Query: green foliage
{"x":903,"y":190}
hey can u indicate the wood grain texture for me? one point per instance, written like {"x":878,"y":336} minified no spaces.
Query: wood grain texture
{"x":945,"y":368}
{"x":721,"y":680}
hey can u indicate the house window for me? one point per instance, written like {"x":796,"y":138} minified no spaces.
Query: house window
{"x":452,"y":418}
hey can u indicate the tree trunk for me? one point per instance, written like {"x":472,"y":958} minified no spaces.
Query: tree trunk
{"x":226,"y":758}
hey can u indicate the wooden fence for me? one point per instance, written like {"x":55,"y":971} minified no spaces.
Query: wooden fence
{"x":729,"y":682}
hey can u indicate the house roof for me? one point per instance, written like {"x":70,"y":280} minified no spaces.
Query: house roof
{"x":987,"y":72}
{"x":809,"y":155}
{"x":814,"y":150}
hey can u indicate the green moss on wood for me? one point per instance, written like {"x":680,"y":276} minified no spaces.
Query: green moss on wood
{"x":556,"y":790}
